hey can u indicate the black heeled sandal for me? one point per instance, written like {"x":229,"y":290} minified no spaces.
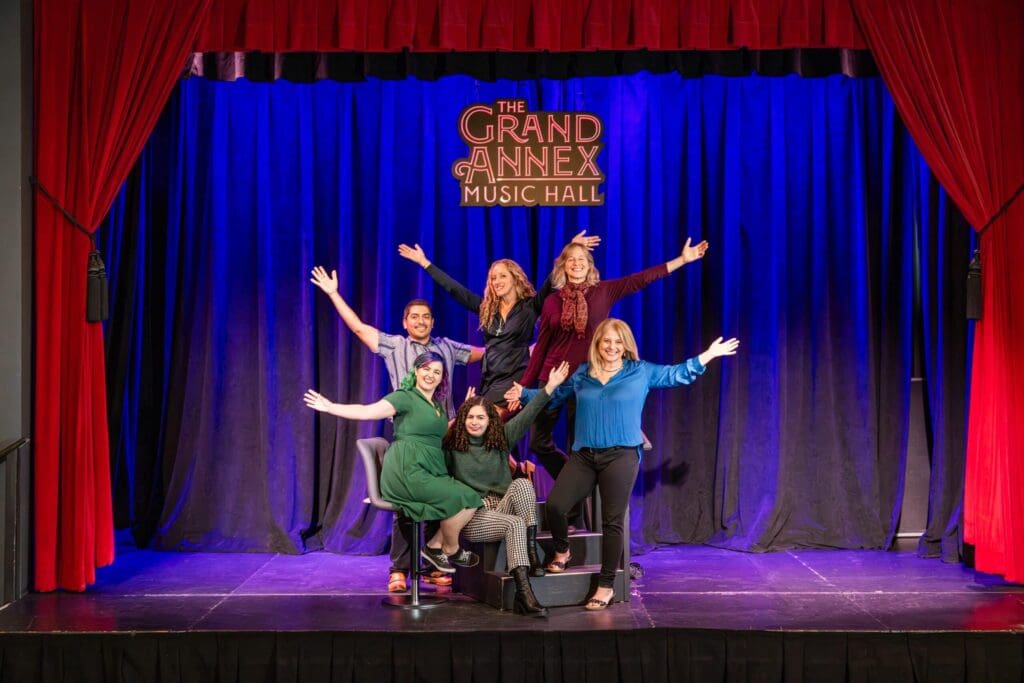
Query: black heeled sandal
{"x":595,"y":604}
{"x":559,"y":566}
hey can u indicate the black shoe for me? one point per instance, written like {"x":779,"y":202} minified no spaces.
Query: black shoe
{"x":536,"y":568}
{"x":436,"y":557}
{"x":464,"y":558}
{"x":526,"y":602}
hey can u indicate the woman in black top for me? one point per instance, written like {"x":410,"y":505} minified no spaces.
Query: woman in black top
{"x":508,"y":313}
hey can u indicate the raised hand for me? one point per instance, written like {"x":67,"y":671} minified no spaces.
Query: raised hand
{"x":316,"y":401}
{"x":512,"y":397}
{"x":470,"y":393}
{"x":414,"y":254}
{"x":720,"y":348}
{"x":588,"y":243}
{"x":692,"y":253}
{"x":329,"y":285}
{"x":514,"y":392}
{"x":556,"y":377}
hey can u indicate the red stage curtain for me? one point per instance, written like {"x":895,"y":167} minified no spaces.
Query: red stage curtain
{"x":956,"y":74}
{"x":103,"y":71}
{"x":526,"y":25}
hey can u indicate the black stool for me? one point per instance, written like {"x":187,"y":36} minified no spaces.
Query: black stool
{"x":372,"y":453}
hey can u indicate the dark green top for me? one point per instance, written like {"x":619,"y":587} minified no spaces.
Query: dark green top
{"x":417,"y":418}
{"x":486,"y":470}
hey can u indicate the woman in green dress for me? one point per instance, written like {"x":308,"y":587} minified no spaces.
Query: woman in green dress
{"x":414,"y":476}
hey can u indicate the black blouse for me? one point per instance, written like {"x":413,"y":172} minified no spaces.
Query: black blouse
{"x":506,"y":341}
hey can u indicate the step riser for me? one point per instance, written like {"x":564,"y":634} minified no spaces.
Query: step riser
{"x":489,"y":581}
{"x":564,"y":590}
{"x":552,"y":590}
{"x":585,"y":549}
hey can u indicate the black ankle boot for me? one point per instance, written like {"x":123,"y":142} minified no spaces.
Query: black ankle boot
{"x":536,"y":568}
{"x":526,"y":602}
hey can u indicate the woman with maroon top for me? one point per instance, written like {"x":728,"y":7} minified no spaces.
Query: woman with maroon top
{"x":508,"y":312}
{"x":568,"y":318}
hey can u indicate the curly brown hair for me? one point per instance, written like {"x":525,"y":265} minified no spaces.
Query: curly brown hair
{"x":456,"y":440}
{"x":490,"y":305}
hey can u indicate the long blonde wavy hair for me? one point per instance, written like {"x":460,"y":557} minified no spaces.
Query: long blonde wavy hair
{"x":491,"y":304}
{"x":558,"y":277}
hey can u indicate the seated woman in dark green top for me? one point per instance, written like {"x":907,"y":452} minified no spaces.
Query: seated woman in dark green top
{"x":414,"y":476}
{"x":476,"y":447}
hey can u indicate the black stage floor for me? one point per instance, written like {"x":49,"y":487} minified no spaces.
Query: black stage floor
{"x":698,"y":613}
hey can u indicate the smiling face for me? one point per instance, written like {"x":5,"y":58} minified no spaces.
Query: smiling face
{"x":429,"y":376}
{"x":500,"y":281}
{"x":613,"y":344}
{"x":418,"y":323}
{"x":610,"y":347}
{"x":577,"y":264}
{"x":477,"y":421}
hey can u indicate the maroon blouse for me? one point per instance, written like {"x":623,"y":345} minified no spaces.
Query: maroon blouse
{"x":555,"y":344}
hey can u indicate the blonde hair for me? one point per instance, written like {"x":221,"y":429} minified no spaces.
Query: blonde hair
{"x":490,"y":304}
{"x":629,"y":351}
{"x":558,"y":277}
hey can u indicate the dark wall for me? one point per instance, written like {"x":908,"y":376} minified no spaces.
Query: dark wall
{"x":15,"y":292}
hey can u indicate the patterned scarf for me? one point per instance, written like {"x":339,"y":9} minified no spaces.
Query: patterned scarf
{"x":574,"y":307}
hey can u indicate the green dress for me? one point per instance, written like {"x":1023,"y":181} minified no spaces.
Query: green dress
{"x":414,"y":476}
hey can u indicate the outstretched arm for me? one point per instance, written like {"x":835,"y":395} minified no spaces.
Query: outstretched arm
{"x":630,"y":284}
{"x":350,"y":411}
{"x":458,"y":290}
{"x":719,"y":348}
{"x":368,"y":334}
{"x":560,"y":390}
{"x":688,"y":255}
{"x":667,"y":376}
{"x":520,"y":424}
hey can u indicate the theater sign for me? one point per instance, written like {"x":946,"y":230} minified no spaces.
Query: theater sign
{"x":528,"y":158}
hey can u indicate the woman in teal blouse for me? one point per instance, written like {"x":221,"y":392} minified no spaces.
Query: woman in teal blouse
{"x":610,"y":390}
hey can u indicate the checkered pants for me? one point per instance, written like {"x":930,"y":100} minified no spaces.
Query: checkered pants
{"x":506,"y":518}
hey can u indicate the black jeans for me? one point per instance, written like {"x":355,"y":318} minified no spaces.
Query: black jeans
{"x":614,"y":472}
{"x":542,"y":440}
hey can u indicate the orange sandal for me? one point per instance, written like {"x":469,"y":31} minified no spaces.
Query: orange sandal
{"x":396,"y":582}
{"x":438,"y":578}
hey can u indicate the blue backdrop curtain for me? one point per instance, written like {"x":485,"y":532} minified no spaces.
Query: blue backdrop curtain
{"x":810,"y":192}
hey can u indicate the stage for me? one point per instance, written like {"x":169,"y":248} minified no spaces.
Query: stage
{"x":698,"y":613}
